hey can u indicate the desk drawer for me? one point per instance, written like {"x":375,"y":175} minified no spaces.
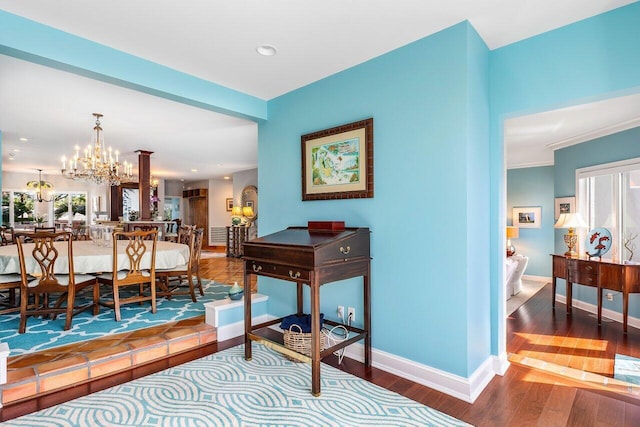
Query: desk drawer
{"x":275,"y":270}
{"x":583,"y":278}
{"x":582,"y":267}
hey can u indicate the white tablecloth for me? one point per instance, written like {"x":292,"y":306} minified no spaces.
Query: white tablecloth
{"x":91,"y":258}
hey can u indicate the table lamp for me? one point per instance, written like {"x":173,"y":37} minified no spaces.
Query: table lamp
{"x":570,"y":221}
{"x":236,"y":215}
{"x":247,"y":212}
{"x":512,"y":233}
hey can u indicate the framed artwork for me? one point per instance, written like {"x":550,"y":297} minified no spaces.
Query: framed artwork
{"x":337,"y":163}
{"x":527,"y":217}
{"x":565,"y":205}
{"x":229,"y":205}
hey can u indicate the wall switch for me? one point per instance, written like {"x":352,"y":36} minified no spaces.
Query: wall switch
{"x":609,"y":296}
{"x":351,"y":313}
{"x":340,"y":312}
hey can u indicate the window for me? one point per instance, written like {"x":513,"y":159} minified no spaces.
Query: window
{"x":20,"y":208}
{"x":69,"y":208}
{"x":609,"y":197}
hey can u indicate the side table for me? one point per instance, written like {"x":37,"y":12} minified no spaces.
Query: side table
{"x":236,"y":236}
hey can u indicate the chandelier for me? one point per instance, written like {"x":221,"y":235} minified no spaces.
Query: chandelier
{"x":98,"y":164}
{"x":43,"y":189}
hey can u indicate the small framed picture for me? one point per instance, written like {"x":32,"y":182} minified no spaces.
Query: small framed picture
{"x":527,"y":217}
{"x":565,"y":205}
{"x":229,"y":205}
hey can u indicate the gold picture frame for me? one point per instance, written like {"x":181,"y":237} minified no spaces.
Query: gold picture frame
{"x":229,"y":204}
{"x":337,"y":163}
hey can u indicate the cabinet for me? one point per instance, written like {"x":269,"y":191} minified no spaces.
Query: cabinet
{"x":236,"y":236}
{"x":310,"y":259}
{"x":611,"y":275}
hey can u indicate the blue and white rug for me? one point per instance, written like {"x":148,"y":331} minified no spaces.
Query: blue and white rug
{"x":225,"y":390}
{"x":42,"y":334}
{"x":626,"y":368}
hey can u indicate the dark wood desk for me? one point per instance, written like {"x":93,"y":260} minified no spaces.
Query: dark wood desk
{"x":310,"y":259}
{"x":612,"y":275}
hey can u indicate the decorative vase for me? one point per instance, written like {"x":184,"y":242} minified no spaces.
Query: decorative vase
{"x":235,"y":293}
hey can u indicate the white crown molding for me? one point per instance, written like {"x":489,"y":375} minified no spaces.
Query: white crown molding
{"x":597,"y":133}
{"x":529,"y":165}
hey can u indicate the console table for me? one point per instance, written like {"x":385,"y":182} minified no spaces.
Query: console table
{"x":236,"y":236}
{"x":311,"y":259}
{"x":612,"y":275}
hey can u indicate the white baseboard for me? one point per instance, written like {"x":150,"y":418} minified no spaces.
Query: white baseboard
{"x":536,"y":278}
{"x":467,"y":389}
{"x":606,"y":313}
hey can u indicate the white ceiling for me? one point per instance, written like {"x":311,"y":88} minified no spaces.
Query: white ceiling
{"x":216,"y":40}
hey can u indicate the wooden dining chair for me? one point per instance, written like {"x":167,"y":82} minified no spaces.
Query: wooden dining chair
{"x":147,"y":227}
{"x":46,"y":251}
{"x":179,"y":280}
{"x":135,"y":245}
{"x":9,"y":285}
{"x":6,"y":236}
{"x":44,"y":229}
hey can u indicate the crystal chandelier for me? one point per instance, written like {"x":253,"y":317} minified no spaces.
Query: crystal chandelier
{"x":98,"y":164}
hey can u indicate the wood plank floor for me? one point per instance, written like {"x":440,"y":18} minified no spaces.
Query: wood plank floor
{"x":525,"y":395}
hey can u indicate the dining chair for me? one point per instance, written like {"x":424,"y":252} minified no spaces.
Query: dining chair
{"x":179,"y":280}
{"x":171,"y":232}
{"x":6,"y":236}
{"x":45,"y":229}
{"x":135,"y":245}
{"x":9,"y":284}
{"x":45,"y":248}
{"x":146,"y":227}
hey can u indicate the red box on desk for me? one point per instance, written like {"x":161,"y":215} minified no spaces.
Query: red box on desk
{"x":325,"y":226}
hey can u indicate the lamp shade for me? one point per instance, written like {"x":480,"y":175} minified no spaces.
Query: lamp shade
{"x":513,"y":232}
{"x":570,"y":220}
{"x":247,"y":211}
{"x":236,"y":211}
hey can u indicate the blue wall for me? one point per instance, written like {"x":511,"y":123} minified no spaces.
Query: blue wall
{"x":533,"y":187}
{"x":429,"y":217}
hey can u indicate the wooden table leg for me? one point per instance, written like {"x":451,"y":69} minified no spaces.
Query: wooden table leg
{"x":247,"y":315}
{"x":367,"y":319}
{"x":599,"y":305}
{"x":625,"y":310}
{"x":553,"y":292}
{"x":569,"y":295}
{"x":315,"y":336}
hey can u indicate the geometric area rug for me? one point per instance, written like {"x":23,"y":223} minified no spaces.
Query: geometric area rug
{"x":42,"y":334}
{"x":626,"y":368}
{"x":223,"y":389}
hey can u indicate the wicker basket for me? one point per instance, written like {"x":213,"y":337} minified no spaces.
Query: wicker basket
{"x":301,"y":342}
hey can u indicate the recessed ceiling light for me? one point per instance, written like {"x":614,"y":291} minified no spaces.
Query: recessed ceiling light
{"x":266,"y":50}
{"x":227,"y":177}
{"x":23,"y":139}
{"x":15,"y":150}
{"x":194,"y":170}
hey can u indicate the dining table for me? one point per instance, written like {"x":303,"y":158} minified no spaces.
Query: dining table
{"x":90,"y":257}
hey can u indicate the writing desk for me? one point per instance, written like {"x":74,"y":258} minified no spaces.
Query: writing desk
{"x":311,"y":259}
{"x":600,"y":274}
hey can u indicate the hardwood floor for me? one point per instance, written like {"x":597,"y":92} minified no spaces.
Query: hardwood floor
{"x":526,"y":395}
{"x":529,"y":394}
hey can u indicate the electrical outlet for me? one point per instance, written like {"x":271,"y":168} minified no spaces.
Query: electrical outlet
{"x":340,"y":312}
{"x":609,"y":296}
{"x":351,"y":313}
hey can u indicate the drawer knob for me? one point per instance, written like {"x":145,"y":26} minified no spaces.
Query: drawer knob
{"x":589,"y":268}
{"x":294,"y":276}
{"x":257,"y":268}
{"x":345,"y":251}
